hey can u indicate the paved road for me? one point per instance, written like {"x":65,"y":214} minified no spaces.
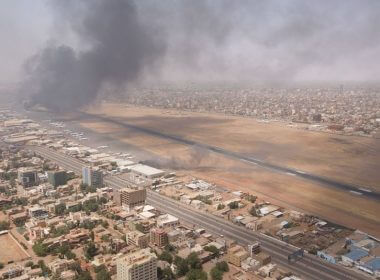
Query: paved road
{"x":354,"y":189}
{"x":310,"y":267}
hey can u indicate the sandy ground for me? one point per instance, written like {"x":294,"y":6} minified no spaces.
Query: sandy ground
{"x":10,"y":250}
{"x":345,"y":158}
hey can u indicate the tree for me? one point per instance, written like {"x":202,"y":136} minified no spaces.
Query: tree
{"x":92,"y":235}
{"x":218,"y":270}
{"x":1,"y":265}
{"x":251,"y":198}
{"x":220,"y":206}
{"x":60,"y":209}
{"x":139,"y":227}
{"x":105,"y":224}
{"x":90,"y":251}
{"x":83,"y":187}
{"x":70,"y":255}
{"x":84,"y":275}
{"x":166,"y":256}
{"x":4,"y":225}
{"x":216,"y":274}
{"x":29,"y":264}
{"x":105,"y":238}
{"x":165,"y":274}
{"x":253,"y":211}
{"x":44,"y":268}
{"x":103,"y":200}
{"x":13,"y":183}
{"x":99,"y":268}
{"x":223,"y":266}
{"x":212,"y":249}
{"x":90,"y":206}
{"x":234,"y":205}
{"x":23,"y":201}
{"x":182,"y":266}
{"x":203,"y":199}
{"x":169,"y":248}
{"x":193,"y":261}
{"x":40,"y":249}
{"x":103,"y":274}
{"x":196,"y":274}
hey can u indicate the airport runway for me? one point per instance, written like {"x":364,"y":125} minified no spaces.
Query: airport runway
{"x":324,"y":181}
{"x":309,"y":267}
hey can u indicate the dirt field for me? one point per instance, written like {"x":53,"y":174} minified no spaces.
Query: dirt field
{"x":349,"y":159}
{"x":10,"y":250}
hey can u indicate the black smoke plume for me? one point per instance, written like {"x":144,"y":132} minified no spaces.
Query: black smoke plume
{"x":119,"y":46}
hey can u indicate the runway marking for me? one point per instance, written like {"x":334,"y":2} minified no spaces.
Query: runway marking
{"x":291,"y":174}
{"x":301,"y":172}
{"x":365,"y":190}
{"x":356,"y":193}
{"x":250,"y":162}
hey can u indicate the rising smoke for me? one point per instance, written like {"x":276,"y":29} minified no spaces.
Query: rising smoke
{"x":122,"y":40}
{"x":119,"y":46}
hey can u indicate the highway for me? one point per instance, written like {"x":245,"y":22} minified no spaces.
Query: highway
{"x":309,"y":267}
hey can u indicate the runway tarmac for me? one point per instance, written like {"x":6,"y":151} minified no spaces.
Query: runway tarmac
{"x":322,"y":181}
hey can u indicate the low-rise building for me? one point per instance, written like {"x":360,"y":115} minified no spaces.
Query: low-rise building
{"x":59,"y":265}
{"x":137,"y":238}
{"x":38,"y":212}
{"x":167,"y":220}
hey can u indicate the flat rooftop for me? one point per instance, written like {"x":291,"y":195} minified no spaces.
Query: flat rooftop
{"x":146,"y":170}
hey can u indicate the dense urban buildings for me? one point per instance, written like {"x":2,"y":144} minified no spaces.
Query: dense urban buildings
{"x":146,"y":223}
{"x":351,"y":110}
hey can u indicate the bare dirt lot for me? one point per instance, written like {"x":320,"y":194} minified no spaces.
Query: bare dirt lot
{"x":10,"y":250}
{"x":349,"y":159}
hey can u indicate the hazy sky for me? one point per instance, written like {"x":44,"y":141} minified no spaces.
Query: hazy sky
{"x":259,"y":40}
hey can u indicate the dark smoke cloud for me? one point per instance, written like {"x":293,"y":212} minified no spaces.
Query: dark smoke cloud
{"x":118,"y":47}
{"x":120,"y":41}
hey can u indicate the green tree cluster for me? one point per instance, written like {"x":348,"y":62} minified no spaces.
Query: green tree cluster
{"x":40,"y":249}
{"x":4,"y":225}
{"x":90,"y":251}
{"x":196,"y":274}
{"x":234,"y":205}
{"x":165,"y":274}
{"x":102,"y":273}
{"x":212,"y":249}
{"x":166,"y":256}
{"x":218,"y":270}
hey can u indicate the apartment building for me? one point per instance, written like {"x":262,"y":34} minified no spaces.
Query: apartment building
{"x":140,"y":265}
{"x":158,"y":237}
{"x":129,"y":197}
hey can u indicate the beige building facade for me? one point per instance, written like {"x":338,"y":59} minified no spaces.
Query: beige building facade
{"x":140,"y":265}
